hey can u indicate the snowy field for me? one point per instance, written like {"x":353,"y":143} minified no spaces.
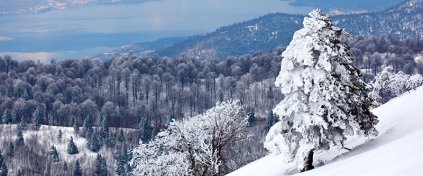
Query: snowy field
{"x":396,"y":151}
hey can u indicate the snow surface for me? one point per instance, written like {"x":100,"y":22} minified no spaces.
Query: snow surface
{"x":396,"y":151}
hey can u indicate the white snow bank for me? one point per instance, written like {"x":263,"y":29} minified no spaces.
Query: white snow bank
{"x":396,"y":151}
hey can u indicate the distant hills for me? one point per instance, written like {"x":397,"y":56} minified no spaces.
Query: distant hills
{"x":404,"y":20}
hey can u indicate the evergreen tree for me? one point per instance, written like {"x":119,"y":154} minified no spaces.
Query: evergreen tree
{"x":3,"y":167}
{"x":37,"y":117}
{"x":100,"y":166}
{"x":77,"y":169}
{"x":20,"y":138}
{"x":14,"y":116}
{"x":75,"y":126}
{"x":65,"y":166}
{"x":54,"y":154}
{"x":104,"y":127}
{"x":94,"y":143}
{"x":60,"y":135}
{"x":121,"y":136}
{"x":325,"y":99}
{"x":7,"y":117}
{"x":147,"y":132}
{"x":72,"y":149}
{"x":122,"y":162}
{"x":22,"y":125}
{"x":87,"y":127}
{"x":271,"y":120}
{"x":109,"y":141}
{"x":251,"y":117}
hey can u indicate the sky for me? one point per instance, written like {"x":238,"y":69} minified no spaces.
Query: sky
{"x":91,"y":29}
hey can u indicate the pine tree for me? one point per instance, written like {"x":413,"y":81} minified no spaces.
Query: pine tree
{"x":75,"y":126}
{"x":94,"y":143}
{"x":22,"y":125}
{"x":54,"y":154}
{"x":121,"y":136}
{"x":104,"y":127}
{"x":325,"y":99}
{"x":3,"y":167}
{"x":37,"y":117}
{"x":87,"y":127}
{"x":14,"y":116}
{"x":72,"y":149}
{"x":60,"y":135}
{"x":65,"y":166}
{"x":20,"y":138}
{"x":77,"y":169}
{"x":147,"y":132}
{"x":251,"y":117}
{"x":270,"y":120}
{"x":101,"y":166}
{"x":7,"y":117}
{"x":122,"y":162}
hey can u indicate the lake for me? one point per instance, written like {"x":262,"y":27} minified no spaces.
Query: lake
{"x":92,"y":29}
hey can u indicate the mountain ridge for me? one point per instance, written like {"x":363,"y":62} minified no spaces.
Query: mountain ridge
{"x":272,"y":30}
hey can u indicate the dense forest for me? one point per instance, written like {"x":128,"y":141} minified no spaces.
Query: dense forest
{"x":147,"y":93}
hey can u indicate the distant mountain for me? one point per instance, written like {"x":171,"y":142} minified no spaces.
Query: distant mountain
{"x":265,"y":33}
{"x":140,"y":49}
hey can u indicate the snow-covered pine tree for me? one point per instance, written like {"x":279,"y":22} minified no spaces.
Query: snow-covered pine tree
{"x":37,"y":117}
{"x":93,"y":142}
{"x":3,"y":167}
{"x":325,"y":99}
{"x":72,"y":149}
{"x":77,"y":169}
{"x":251,"y":116}
{"x":100,"y":166}
{"x":54,"y":154}
{"x":20,"y":138}
{"x":7,"y":117}
{"x":75,"y":126}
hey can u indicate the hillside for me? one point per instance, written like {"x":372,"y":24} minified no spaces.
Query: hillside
{"x":396,"y":151}
{"x":270,"y":31}
{"x":26,"y":159}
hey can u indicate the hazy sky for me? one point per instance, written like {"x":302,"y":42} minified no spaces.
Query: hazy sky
{"x":82,"y":31}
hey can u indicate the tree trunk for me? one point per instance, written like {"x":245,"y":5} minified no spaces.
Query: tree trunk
{"x":308,"y":163}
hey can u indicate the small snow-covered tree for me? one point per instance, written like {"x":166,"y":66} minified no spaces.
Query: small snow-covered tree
{"x":75,"y":126}
{"x":77,"y":169}
{"x":54,"y":154}
{"x":325,"y":99}
{"x":7,"y":116}
{"x":388,"y":85}
{"x":381,"y":85}
{"x":93,"y":142}
{"x":38,"y":116}
{"x":3,"y":167}
{"x":20,"y":138}
{"x":72,"y":149}
{"x":193,"y":146}
{"x":100,"y":166}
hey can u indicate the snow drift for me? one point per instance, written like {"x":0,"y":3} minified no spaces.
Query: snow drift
{"x":396,"y":151}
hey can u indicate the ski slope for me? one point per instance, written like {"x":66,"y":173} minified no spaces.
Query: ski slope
{"x":398,"y":150}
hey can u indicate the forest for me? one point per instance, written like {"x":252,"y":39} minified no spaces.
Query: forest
{"x":144,"y":94}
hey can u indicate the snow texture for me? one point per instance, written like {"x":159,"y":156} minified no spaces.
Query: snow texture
{"x":396,"y":151}
{"x":194,"y":145}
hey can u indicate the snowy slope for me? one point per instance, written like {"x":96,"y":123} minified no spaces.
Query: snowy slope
{"x":396,"y":151}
